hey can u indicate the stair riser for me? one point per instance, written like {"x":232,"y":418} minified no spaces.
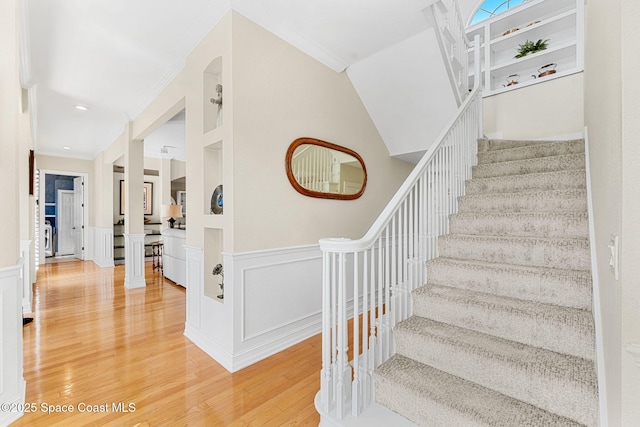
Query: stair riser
{"x":571,"y":200}
{"x":504,"y":144}
{"x":549,"y":164}
{"x":541,"y":225}
{"x":569,"y":254}
{"x":531,"y":152}
{"x":545,"y":181}
{"x":564,"y":288}
{"x":545,"y":390}
{"x":523,"y":327}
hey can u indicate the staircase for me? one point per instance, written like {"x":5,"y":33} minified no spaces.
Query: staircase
{"x":502,"y":334}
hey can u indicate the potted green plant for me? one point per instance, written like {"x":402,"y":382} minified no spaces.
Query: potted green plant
{"x":531,"y":47}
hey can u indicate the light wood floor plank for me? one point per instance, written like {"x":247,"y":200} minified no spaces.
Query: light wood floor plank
{"x":93,"y":342}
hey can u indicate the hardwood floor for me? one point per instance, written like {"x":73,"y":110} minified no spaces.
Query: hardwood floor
{"x":94,"y":345}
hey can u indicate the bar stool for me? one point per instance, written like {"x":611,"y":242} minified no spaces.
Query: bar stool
{"x":156,"y":255}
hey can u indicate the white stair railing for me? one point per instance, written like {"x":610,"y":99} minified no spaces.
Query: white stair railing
{"x":446,"y":20}
{"x":367,"y":283}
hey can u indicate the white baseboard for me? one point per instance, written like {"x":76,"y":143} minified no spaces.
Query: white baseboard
{"x":216,"y":351}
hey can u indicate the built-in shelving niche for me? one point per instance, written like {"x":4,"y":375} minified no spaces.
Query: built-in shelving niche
{"x":213,"y":244}
{"x":560,"y":22}
{"x":212,"y":77}
{"x":212,"y":173}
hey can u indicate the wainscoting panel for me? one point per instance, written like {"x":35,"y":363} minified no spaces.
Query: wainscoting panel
{"x":272,"y":300}
{"x":277,"y":300}
{"x":27,"y":285}
{"x":194,"y":285}
{"x":101,"y":251}
{"x":279,"y":295}
{"x":134,"y":261}
{"x":12,"y":384}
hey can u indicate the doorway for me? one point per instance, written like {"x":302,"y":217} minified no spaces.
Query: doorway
{"x":63,"y":216}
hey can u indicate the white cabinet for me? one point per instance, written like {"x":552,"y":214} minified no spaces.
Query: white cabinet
{"x":560,"y":22}
{"x":174,"y":255}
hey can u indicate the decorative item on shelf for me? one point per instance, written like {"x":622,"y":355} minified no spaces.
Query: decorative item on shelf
{"x":512,"y":80}
{"x":513,"y":30}
{"x":533,"y":23}
{"x":219,"y":271}
{"x":218,"y":101}
{"x":146,"y":220}
{"x":547,"y":70}
{"x":172,"y":212}
{"x":217,"y":200}
{"x":531,"y":47}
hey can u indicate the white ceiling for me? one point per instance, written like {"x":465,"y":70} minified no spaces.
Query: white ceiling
{"x":116,"y":56}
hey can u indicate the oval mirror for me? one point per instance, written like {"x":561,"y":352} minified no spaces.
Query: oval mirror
{"x":321,"y":169}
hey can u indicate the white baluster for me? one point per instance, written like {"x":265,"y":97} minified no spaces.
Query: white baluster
{"x":326,"y":387}
{"x":355,"y":390}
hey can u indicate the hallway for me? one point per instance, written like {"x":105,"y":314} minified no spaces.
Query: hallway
{"x":119,"y":357}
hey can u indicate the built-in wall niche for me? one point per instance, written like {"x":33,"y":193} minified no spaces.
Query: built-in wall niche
{"x":213,"y":95}
{"x":213,"y":244}
{"x":212,"y":173}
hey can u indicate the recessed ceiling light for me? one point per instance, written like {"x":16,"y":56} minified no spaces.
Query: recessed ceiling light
{"x":67,"y":148}
{"x":81,"y":107}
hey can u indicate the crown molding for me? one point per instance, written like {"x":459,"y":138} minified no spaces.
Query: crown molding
{"x":24,"y":45}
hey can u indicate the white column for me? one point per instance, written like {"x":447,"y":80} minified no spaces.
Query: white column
{"x":134,"y":252}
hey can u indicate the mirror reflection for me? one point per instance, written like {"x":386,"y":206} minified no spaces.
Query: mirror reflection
{"x":320,"y":169}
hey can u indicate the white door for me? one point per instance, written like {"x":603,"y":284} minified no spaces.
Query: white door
{"x":65,"y":204}
{"x":78,"y":217}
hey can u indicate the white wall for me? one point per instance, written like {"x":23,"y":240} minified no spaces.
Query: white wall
{"x":281,"y":94}
{"x":630,"y":249}
{"x":12,"y":386}
{"x":611,"y":114}
{"x":551,"y":109}
{"x":406,"y":92}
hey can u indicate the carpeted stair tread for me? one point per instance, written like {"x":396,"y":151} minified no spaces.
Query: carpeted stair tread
{"x":562,"y":384}
{"x":541,"y":224}
{"x":530,"y":151}
{"x":502,"y":333}
{"x":561,"y":329}
{"x":430,"y":397}
{"x":533,"y":181}
{"x":572,"y":254}
{"x":526,"y":166}
{"x":571,"y":199}
{"x":570,"y":288}
{"x":485,"y":144}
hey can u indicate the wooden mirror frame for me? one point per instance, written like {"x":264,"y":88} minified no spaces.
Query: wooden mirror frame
{"x":318,"y":194}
